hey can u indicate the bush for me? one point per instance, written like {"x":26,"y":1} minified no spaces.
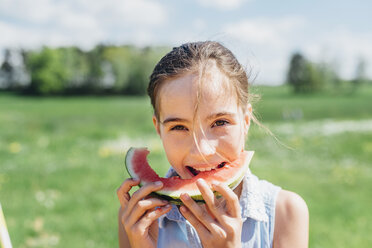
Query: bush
{"x":48,"y":74}
{"x":303,"y":75}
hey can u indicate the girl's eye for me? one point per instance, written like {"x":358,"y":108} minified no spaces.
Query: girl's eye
{"x":220,"y":123}
{"x":178,"y":128}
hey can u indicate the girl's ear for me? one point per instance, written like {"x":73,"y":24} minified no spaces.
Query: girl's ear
{"x":156,"y":124}
{"x":247,"y":119}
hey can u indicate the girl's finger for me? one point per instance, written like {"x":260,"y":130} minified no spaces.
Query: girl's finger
{"x":195,"y":222}
{"x":123,"y":190}
{"x":151,"y":216}
{"x":209,"y":198}
{"x":198,"y":212}
{"x":140,"y":194}
{"x":232,"y":200}
{"x":142,"y":207}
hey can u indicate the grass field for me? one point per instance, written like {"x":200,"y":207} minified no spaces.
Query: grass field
{"x":61,"y":161}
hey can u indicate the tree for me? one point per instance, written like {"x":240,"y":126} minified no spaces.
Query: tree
{"x":360,"y":73}
{"x":13,"y":74}
{"x":296,"y":74}
{"x":132,"y":67}
{"x":48,"y":73}
{"x":303,"y":75}
{"x":6,"y":70}
{"x":142,"y":65}
{"x":120,"y":58}
{"x":329,"y":76}
{"x":69,"y":70}
{"x":95,"y":72}
{"x":76,"y":67}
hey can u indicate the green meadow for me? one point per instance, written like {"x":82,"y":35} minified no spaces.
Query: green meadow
{"x":62,"y":159}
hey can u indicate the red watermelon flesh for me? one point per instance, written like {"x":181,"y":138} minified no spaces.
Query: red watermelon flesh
{"x":230,"y":174}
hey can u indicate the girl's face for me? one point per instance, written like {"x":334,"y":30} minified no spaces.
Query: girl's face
{"x":216,"y":134}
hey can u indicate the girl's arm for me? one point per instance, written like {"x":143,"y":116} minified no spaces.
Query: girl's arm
{"x":123,"y":237}
{"x":291,"y":221}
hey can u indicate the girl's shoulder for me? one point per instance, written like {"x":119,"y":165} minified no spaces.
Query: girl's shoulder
{"x":290,"y":204}
{"x":286,"y":213}
{"x":291,"y":220}
{"x":273,"y":196}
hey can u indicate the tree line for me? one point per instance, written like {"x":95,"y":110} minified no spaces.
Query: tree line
{"x":305,"y":76}
{"x":105,"y":69}
{"x":125,"y":70}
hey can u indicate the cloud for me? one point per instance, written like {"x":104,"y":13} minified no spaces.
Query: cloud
{"x":33,"y":37}
{"x":222,"y":4}
{"x":264,"y":31}
{"x":343,"y":48}
{"x":267,"y":43}
{"x":81,"y":22}
{"x":32,"y":12}
{"x":264,"y":44}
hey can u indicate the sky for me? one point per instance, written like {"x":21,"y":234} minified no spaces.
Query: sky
{"x":262,"y":34}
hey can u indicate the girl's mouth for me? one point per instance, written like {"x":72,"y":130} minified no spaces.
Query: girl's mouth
{"x":195,"y":172}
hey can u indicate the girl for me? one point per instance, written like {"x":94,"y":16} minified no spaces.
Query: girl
{"x":202,"y":113}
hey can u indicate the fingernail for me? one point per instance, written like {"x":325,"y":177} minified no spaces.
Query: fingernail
{"x":214,"y":184}
{"x":201,"y":182}
{"x":158,"y":183}
{"x":166,"y":207}
{"x":183,"y":209}
{"x":185,"y":196}
{"x":163,"y":208}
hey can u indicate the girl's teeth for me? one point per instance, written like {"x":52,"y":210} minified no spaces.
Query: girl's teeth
{"x":195,"y":171}
{"x":206,"y":169}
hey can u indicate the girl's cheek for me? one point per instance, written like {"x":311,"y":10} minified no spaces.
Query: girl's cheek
{"x":232,"y":145}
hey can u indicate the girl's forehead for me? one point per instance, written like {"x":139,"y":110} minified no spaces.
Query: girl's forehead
{"x":211,"y":93}
{"x":210,"y":83}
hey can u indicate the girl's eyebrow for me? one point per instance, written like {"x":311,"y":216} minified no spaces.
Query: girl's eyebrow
{"x":212,"y":116}
{"x":216,"y":115}
{"x":173,"y":119}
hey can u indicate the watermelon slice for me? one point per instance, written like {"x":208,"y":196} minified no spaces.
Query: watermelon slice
{"x":230,"y":174}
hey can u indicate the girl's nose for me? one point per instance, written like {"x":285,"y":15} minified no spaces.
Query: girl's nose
{"x":203,"y":147}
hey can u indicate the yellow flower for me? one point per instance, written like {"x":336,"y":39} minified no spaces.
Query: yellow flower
{"x":367,"y":147}
{"x":14,"y":147}
{"x":104,"y":152}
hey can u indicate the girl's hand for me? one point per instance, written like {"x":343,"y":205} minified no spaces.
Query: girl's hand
{"x":139,"y":213}
{"x":217,"y":225}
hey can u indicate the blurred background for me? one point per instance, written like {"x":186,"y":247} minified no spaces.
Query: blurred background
{"x":73,"y":76}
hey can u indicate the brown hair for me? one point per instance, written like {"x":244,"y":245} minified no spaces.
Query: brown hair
{"x":195,"y":57}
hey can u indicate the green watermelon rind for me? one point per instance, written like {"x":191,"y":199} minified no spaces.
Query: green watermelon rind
{"x":175,"y":199}
{"x":197,"y":198}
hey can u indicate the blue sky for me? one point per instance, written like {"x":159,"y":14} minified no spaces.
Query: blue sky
{"x":262,"y":34}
